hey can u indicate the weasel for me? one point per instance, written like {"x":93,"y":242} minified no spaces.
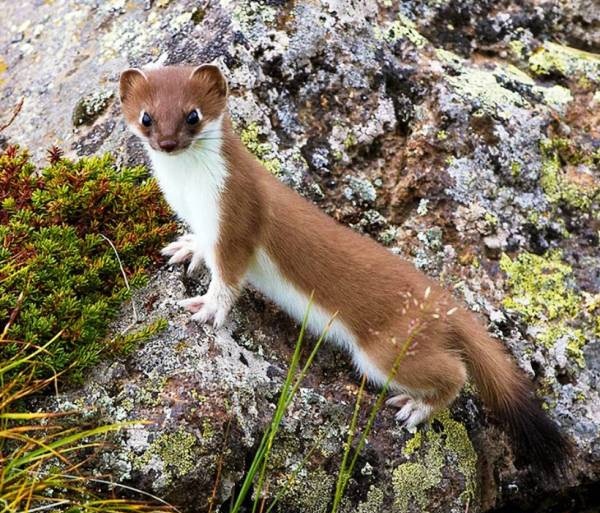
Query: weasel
{"x":249,"y":228}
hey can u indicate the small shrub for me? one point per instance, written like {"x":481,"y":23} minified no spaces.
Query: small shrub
{"x":55,"y":264}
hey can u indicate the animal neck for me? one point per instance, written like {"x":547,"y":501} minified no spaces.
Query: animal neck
{"x":202,"y":164}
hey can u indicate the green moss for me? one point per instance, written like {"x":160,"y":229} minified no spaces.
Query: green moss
{"x":263,"y":151}
{"x":131,"y":340}
{"x":55,"y":228}
{"x":176,"y":453}
{"x":413,"y":480}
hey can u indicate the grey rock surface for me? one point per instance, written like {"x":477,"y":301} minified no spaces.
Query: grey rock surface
{"x":460,"y":134}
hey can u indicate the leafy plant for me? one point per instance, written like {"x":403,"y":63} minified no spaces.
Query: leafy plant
{"x":62,"y":231}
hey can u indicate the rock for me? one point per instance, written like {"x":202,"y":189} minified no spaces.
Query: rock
{"x":457,"y":133}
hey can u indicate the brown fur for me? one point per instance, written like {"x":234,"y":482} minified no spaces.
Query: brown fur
{"x":151,"y":91}
{"x":381,"y":298}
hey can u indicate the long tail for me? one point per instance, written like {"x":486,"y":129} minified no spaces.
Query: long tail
{"x":536,"y":439}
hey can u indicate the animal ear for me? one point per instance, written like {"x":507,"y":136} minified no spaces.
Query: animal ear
{"x":212,"y":75}
{"x":129,"y":78}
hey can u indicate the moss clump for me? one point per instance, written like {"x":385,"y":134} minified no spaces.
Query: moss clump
{"x":90,"y":107}
{"x":542,"y":291}
{"x":58,"y":274}
{"x":413,"y":480}
{"x":263,"y":151}
{"x":174,"y":453}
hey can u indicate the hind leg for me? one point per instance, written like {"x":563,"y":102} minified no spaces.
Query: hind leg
{"x":428,"y":383}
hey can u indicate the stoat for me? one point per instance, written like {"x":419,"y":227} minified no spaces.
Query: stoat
{"x":249,"y":228}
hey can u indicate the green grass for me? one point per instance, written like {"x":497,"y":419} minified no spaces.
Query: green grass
{"x":255,"y":477}
{"x":259,"y":465}
{"x":42,"y":453}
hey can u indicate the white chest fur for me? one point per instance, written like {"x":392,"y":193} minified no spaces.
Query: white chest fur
{"x":192,"y":183}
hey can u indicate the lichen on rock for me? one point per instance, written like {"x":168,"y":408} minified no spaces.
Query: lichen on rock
{"x":456,"y":133}
{"x":448,"y":441}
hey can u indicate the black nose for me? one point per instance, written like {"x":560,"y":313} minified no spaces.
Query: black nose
{"x":168,"y":145}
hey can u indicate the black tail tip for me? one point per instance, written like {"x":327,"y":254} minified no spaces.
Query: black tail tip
{"x":538,"y":442}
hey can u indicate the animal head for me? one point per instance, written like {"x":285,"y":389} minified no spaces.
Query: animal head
{"x":171,"y":107}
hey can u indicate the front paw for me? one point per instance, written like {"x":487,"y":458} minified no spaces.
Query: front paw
{"x":205,"y":308}
{"x":183,"y":249}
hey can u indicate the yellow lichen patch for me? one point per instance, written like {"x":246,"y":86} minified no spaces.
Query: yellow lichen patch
{"x":541,"y":290}
{"x":552,"y":58}
{"x":413,"y":480}
{"x":250,"y":136}
{"x":402,"y":28}
{"x":3,"y":68}
{"x":567,"y":183}
{"x":592,"y":306}
{"x":175,"y":454}
{"x":374,"y":501}
{"x":310,"y":491}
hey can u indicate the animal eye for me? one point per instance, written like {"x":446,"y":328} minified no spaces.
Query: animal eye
{"x":146,"y":119}
{"x":192,"y":118}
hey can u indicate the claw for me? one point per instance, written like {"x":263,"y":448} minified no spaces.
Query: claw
{"x":193,"y":304}
{"x":412,"y":412}
{"x":183,"y":249}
